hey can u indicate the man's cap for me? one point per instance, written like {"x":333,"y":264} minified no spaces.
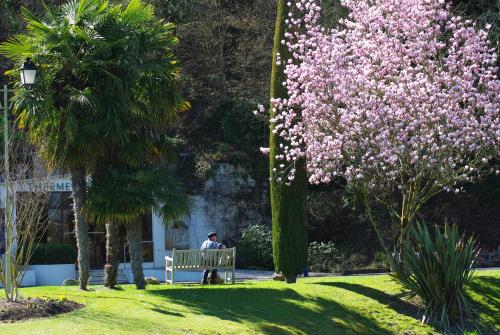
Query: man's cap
{"x":211,"y":234}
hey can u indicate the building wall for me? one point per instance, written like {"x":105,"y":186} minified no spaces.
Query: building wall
{"x":230,"y":201}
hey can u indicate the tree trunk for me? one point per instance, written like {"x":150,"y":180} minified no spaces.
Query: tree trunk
{"x":287,"y":202}
{"x":112,"y":254}
{"x":393,"y":266}
{"x":134,"y":237}
{"x":399,"y":248}
{"x":79,"y":184}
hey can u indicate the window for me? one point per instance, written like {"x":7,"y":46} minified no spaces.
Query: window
{"x":177,"y":236}
{"x":147,"y":238}
{"x":60,"y":215}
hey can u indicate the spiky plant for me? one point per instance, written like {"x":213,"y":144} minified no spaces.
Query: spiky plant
{"x":438,"y":269}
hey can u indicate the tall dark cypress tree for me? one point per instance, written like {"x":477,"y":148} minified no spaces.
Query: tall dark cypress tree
{"x":287,"y":202}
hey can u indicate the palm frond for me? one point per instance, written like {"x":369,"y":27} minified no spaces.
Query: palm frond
{"x":105,"y":92}
{"x":17,"y":47}
{"x":34,"y":24}
{"x":137,"y":13}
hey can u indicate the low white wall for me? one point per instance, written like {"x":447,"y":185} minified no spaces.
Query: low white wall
{"x":29,"y":279}
{"x":53,"y":275}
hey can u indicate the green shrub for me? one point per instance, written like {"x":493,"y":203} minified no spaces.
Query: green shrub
{"x":70,"y":282}
{"x":438,"y":269}
{"x":357,"y":261}
{"x":379,"y":261}
{"x":326,"y":257}
{"x":54,"y":253}
{"x":255,"y":248}
{"x":152,"y":281}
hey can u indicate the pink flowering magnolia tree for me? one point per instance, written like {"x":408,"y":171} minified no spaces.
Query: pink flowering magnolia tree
{"x":401,"y":100}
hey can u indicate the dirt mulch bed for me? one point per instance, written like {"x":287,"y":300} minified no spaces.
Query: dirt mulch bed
{"x":31,"y":308}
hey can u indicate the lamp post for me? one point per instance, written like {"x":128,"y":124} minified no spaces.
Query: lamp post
{"x":28,"y":74}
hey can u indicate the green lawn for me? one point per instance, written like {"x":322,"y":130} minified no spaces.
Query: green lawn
{"x":340,"y":305}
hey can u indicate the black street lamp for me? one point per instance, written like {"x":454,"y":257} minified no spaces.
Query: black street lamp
{"x":28,"y":73}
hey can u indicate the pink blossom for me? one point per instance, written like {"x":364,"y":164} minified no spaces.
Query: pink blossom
{"x":400,"y":92}
{"x":264,"y":151}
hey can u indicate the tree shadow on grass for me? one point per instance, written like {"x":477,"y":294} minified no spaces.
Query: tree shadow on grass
{"x":485,"y":292}
{"x":488,"y":288}
{"x":393,"y":302}
{"x":165,"y":312}
{"x":116,"y":288}
{"x":151,"y":306}
{"x":273,"y":311}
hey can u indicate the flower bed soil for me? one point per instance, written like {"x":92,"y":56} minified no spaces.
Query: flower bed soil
{"x":31,"y":308}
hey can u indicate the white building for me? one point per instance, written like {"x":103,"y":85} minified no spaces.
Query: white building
{"x":219,"y":207}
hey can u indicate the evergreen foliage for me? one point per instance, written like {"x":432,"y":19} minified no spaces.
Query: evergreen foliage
{"x":54,"y":253}
{"x":326,"y":257}
{"x":287,"y":199}
{"x":255,"y":247}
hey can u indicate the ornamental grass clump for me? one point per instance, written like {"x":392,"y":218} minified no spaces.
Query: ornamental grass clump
{"x":438,"y":269}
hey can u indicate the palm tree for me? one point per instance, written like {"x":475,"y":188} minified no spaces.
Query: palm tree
{"x":58,"y":113}
{"x":131,"y":180}
{"x":112,"y":255}
{"x":101,"y":67}
{"x":123,"y":194}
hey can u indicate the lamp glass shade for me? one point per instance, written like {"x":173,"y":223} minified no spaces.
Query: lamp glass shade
{"x":28,"y":73}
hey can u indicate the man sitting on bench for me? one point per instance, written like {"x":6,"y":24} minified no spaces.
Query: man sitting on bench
{"x":211,"y":243}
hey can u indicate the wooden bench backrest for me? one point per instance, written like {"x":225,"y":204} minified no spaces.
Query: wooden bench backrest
{"x":204,"y":259}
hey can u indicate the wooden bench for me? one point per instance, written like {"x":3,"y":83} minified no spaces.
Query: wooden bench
{"x":197,"y":259}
